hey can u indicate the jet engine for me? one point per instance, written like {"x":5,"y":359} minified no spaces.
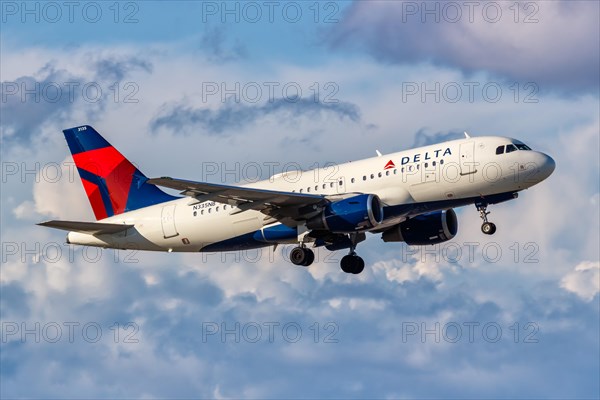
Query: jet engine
{"x":356,"y":213}
{"x":431,"y":228}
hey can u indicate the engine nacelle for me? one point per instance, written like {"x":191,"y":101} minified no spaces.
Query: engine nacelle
{"x":361,"y":212}
{"x":432,"y":228}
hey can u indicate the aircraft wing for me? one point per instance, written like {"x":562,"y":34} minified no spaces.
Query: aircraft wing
{"x":271,"y":202}
{"x":93,"y":228}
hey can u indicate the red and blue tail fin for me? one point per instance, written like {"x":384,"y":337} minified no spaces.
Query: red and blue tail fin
{"x":113,"y":184}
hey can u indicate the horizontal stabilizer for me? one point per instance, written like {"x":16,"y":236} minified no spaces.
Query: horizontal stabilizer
{"x":93,"y":228}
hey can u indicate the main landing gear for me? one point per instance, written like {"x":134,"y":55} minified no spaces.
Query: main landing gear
{"x":350,"y":263}
{"x":489,"y":228}
{"x":302,"y":256}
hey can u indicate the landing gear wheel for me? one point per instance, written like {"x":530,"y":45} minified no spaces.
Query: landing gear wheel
{"x":302,"y":256}
{"x":346,"y":263}
{"x":359,"y":266}
{"x":352,"y":264}
{"x":310,"y":257}
{"x":489,"y":228}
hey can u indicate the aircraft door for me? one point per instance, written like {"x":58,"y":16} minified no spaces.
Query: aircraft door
{"x":168,"y":221}
{"x":467,"y":158}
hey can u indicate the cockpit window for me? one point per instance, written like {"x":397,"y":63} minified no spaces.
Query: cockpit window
{"x":514,"y":146}
{"x":522,"y":146}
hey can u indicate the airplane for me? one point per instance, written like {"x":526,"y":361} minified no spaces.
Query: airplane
{"x":407,"y":196}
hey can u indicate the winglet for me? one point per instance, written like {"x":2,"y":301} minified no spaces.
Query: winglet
{"x":378,"y":153}
{"x":467,"y":136}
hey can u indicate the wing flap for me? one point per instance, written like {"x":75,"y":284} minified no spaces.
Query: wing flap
{"x":93,"y":228}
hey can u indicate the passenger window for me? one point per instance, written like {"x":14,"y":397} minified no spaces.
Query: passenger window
{"x":510,"y":148}
{"x":372,"y":176}
{"x":201,"y":212}
{"x":330,"y":184}
{"x":426,"y":165}
{"x":364,"y":177}
{"x":387,"y":173}
{"x":441,"y":162}
{"x":500,"y":150}
{"x":324,"y":186}
{"x":352,"y":180}
{"x":433,"y":163}
{"x":225,"y":207}
{"x":316,"y":187}
{"x":308,"y":190}
{"x":340,"y":183}
{"x":379,"y":174}
{"x":402,"y":170}
{"x":217,"y":209}
{"x":195,"y":213}
{"x":209,"y":210}
{"x":300,"y":191}
{"x":395,"y":171}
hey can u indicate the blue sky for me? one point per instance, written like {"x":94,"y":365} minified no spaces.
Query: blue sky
{"x":183,"y":89}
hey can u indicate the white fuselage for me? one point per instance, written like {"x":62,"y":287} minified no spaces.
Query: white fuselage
{"x":445,"y":173}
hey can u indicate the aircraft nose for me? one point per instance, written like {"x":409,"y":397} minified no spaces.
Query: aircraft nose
{"x":546,"y":166}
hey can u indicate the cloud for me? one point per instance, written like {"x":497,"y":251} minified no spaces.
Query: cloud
{"x":397,"y":270}
{"x":53,"y":94}
{"x":483,"y":38}
{"x":214,"y":43}
{"x":49,"y":196}
{"x":422,"y":138}
{"x":29,"y":101}
{"x":584,"y":280}
{"x":180,"y":118}
{"x":115,"y":69}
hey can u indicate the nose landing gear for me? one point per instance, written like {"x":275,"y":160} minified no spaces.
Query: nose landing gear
{"x":489,"y":228}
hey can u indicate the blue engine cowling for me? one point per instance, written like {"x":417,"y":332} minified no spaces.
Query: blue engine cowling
{"x":431,"y":228}
{"x":357,"y":213}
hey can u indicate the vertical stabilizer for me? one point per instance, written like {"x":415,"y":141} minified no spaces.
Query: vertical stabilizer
{"x":112,"y":183}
